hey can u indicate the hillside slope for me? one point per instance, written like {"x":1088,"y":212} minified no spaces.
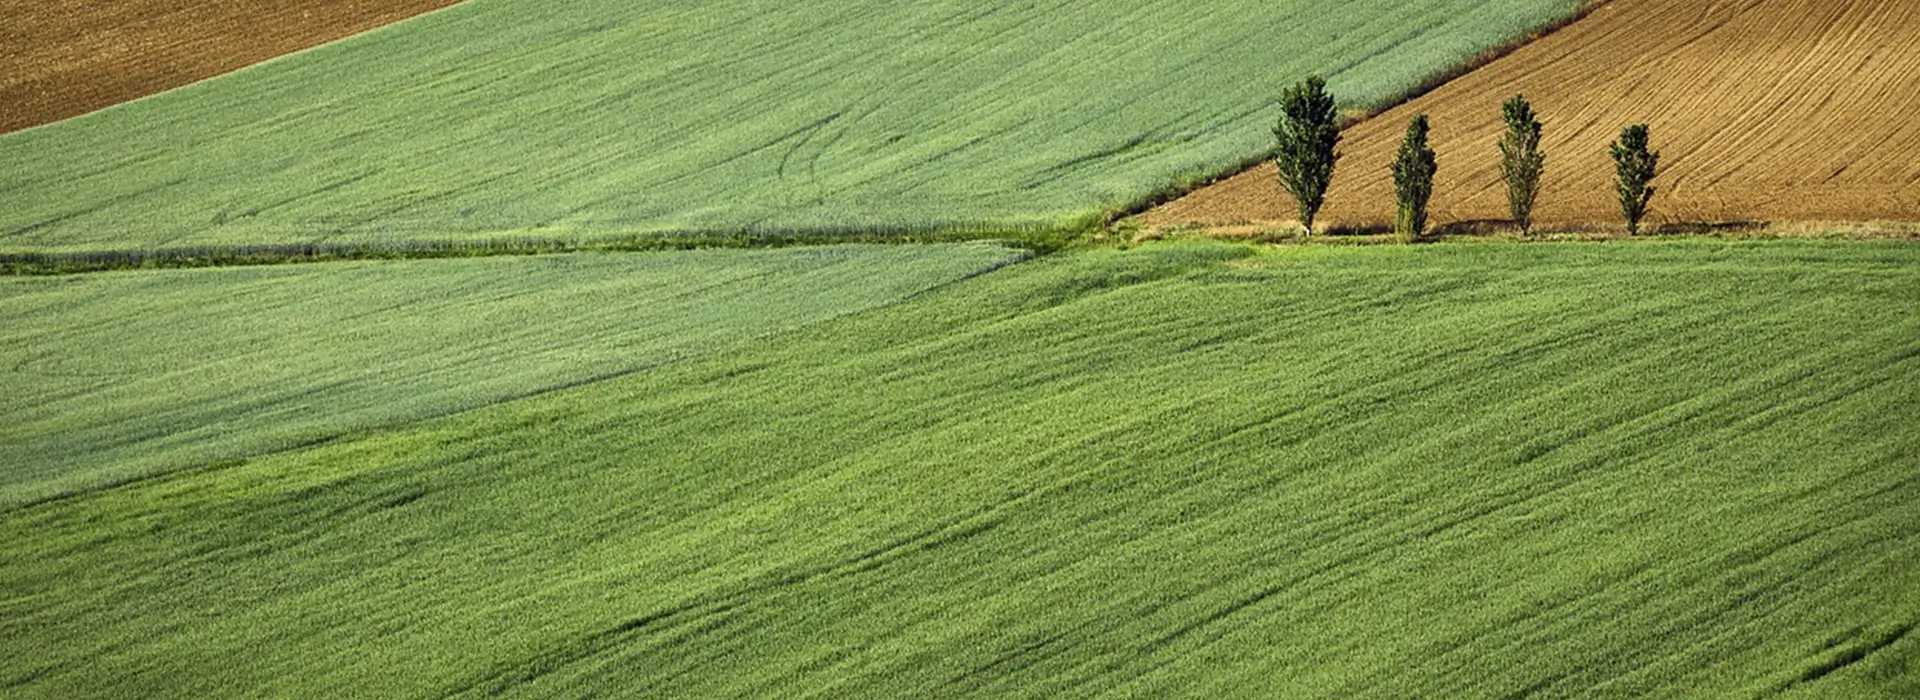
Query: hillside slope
{"x":120,"y":376}
{"x":62,"y":59}
{"x":1660,"y":469}
{"x":1764,"y":110}
{"x":506,"y":117}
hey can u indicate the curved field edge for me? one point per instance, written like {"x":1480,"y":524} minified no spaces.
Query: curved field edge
{"x":121,"y":376}
{"x":66,"y":59}
{"x":1670,"y":469}
{"x":1768,"y":111}
{"x":501,"y":117}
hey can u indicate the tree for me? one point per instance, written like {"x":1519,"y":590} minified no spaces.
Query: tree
{"x":1307,"y":134}
{"x":1634,"y":170}
{"x":1413,"y":172}
{"x":1521,"y":161}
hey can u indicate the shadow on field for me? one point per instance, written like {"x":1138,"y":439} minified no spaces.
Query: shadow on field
{"x":1708,"y":228}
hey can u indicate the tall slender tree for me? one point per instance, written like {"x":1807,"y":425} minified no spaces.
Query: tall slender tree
{"x":1308,"y":132}
{"x":1521,"y":161}
{"x":1413,"y":171}
{"x":1634,"y":169}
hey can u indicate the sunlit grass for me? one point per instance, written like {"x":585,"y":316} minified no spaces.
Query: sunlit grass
{"x":120,"y":375}
{"x":609,"y":118}
{"x":1667,"y":469}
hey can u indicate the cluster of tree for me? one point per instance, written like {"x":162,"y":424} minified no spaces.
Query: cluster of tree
{"x":1308,"y":137}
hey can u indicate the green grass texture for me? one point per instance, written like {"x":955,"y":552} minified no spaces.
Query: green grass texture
{"x":1669,"y":469}
{"x":117,"y":376}
{"x":615,"y":118}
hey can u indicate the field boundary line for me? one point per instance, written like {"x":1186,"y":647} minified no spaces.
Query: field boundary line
{"x":1351,"y":117}
{"x":1039,"y":240}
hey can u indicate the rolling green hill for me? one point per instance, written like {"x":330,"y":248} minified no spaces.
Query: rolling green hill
{"x":514,"y":118}
{"x":122,"y":375}
{"x":1679,"y":469}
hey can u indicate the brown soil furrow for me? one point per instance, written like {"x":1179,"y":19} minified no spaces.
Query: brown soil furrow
{"x":1765,"y":110}
{"x":63,"y":58}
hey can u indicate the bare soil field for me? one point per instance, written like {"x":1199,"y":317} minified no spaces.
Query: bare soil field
{"x":1765,"y":110}
{"x":62,"y":59}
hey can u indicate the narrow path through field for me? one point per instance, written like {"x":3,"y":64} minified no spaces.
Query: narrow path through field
{"x":1765,"y":110}
{"x":63,"y":59}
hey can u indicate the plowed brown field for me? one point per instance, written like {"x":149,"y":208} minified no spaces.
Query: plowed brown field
{"x":1765,"y":110}
{"x":61,"y":58}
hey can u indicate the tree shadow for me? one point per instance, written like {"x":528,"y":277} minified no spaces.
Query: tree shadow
{"x":1356,"y":229}
{"x":1473,"y":227}
{"x":1705,"y":228}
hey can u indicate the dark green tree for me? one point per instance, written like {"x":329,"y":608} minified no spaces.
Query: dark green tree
{"x":1308,"y":132}
{"x":1413,"y":172}
{"x":1521,"y":161}
{"x":1634,"y":168}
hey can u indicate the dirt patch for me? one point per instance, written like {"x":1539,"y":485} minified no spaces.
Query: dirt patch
{"x":1765,"y":110}
{"x":65,"y":58}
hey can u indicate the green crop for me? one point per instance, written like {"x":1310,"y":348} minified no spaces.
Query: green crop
{"x":1666,"y":469}
{"x":745,"y":117}
{"x":123,"y":375}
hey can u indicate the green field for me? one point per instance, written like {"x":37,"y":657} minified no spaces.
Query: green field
{"x":1682,"y":469}
{"x":510,"y":119}
{"x":120,"y":375}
